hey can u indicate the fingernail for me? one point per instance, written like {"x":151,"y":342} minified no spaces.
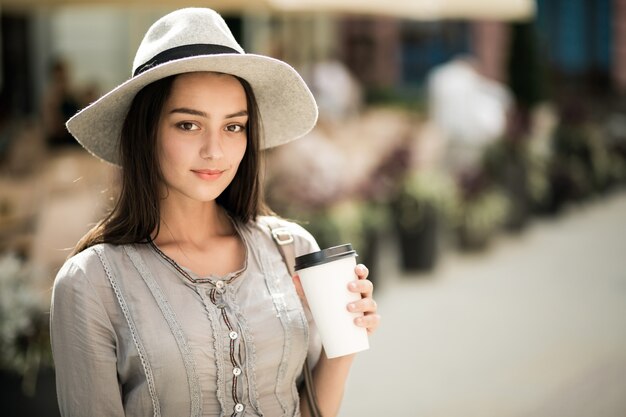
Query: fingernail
{"x":360,"y":268}
{"x":359,"y":321}
{"x":351,"y":306}
{"x":352,"y":285}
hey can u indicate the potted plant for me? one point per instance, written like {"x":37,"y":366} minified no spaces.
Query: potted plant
{"x":507,"y":163}
{"x":349,"y":221}
{"x":426,"y":199}
{"x":483,"y":209}
{"x":26,"y":374}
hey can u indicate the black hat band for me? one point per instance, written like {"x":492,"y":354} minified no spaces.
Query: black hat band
{"x":184,"y":51}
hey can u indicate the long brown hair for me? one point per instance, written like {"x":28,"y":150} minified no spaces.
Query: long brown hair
{"x":136,"y":213}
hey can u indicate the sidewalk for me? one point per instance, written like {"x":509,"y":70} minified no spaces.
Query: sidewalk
{"x":536,"y":326}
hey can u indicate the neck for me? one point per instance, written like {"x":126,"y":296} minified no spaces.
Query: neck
{"x":182,"y":223}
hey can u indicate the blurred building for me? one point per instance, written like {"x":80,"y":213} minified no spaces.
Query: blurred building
{"x":583,"y":41}
{"x":387,"y":53}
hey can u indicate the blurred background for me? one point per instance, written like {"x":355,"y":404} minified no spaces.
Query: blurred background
{"x":473,"y":151}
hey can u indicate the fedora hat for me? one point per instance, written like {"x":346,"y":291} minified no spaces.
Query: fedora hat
{"x":191,"y":40}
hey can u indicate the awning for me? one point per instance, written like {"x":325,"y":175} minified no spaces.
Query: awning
{"x":409,"y":9}
{"x":219,"y":5}
{"x":418,"y":9}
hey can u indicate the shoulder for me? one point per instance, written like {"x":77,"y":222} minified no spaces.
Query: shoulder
{"x":303,"y":240}
{"x":78,"y":309}
{"x":84,"y":268}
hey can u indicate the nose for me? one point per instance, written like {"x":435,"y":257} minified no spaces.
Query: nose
{"x":211,"y":146}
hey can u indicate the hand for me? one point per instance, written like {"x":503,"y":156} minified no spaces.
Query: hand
{"x":366,"y":305}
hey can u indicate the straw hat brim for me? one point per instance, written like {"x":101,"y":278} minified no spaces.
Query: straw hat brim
{"x":286,"y":105}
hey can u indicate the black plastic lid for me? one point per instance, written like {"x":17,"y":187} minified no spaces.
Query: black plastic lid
{"x":324,"y":256}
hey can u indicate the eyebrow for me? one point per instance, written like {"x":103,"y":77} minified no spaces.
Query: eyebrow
{"x":238,"y":114}
{"x":194,"y":112}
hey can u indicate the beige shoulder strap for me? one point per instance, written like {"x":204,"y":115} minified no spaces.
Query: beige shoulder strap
{"x":284,"y":241}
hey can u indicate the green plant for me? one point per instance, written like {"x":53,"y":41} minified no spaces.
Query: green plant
{"x":508,"y":165}
{"x":24,"y":334}
{"x":484,"y":207}
{"x":422,"y":188}
{"x":482,"y":215}
{"x":580,"y":152}
{"x":538,"y":177}
{"x":348,"y":221}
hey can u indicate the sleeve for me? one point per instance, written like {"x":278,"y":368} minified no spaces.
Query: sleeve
{"x":83,"y":347}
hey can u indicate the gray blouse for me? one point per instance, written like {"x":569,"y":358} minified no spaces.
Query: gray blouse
{"x":132,"y":335}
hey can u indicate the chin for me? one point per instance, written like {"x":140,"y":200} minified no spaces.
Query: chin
{"x":207,"y":197}
{"x":202,"y":195}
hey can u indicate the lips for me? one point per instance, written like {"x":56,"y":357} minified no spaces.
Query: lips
{"x":208,"y":174}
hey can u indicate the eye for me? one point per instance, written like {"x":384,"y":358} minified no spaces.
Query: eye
{"x":189,"y":126}
{"x":235,"y":128}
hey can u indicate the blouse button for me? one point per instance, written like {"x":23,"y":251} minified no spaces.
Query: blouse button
{"x":236,"y":371}
{"x":233,"y":335}
{"x":219,"y":285}
{"x":239,"y":408}
{"x":221,"y":306}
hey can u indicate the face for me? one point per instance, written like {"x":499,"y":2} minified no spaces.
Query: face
{"x":202,"y":135}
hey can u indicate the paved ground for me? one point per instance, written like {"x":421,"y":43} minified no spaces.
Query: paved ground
{"x":536,"y":326}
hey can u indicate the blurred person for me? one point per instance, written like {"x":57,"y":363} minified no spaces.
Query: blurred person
{"x":337,"y":93}
{"x":58,"y":105}
{"x":469,"y":109}
{"x":178,"y":302}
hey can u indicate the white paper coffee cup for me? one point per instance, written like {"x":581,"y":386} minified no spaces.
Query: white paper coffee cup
{"x":325,"y":276}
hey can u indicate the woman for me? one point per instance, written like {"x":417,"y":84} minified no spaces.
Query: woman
{"x":178,"y":302}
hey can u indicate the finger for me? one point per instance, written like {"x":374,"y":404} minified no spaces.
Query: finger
{"x":364,"y":286}
{"x":364,"y":305}
{"x":370,"y":322}
{"x":361,"y":271}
